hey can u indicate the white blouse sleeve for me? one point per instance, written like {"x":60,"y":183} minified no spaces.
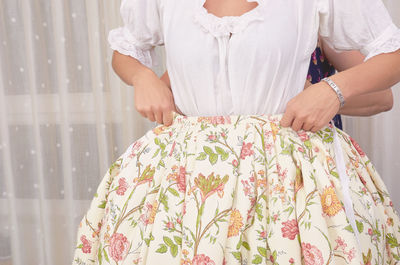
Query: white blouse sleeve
{"x":363,"y":25}
{"x":141,"y":31}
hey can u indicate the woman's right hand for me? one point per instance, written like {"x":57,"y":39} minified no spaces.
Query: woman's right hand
{"x":153,"y":98}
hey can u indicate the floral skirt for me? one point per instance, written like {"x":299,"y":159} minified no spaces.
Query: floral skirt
{"x":238,"y":189}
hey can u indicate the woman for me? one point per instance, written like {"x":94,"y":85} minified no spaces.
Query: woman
{"x":253,"y":174}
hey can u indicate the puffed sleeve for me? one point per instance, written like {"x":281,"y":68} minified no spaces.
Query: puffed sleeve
{"x":141,"y":32}
{"x":363,"y":25}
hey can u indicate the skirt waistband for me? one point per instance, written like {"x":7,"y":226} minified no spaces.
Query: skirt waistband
{"x":226,"y":119}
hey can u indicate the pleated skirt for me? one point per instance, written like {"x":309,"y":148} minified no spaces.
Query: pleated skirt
{"x":239,"y":189}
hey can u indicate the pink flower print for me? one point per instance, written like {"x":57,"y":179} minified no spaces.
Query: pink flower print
{"x":268,"y":147}
{"x":290,"y":229}
{"x":122,"y":186}
{"x":370,"y":232}
{"x":275,"y":217}
{"x":119,"y":246}
{"x":170,"y":225}
{"x":246,"y":188}
{"x":235,"y":163}
{"x":291,"y":260}
{"x":212,"y":137}
{"x":281,"y":173}
{"x":263,"y":234}
{"x":357,"y":146}
{"x":172,"y":149}
{"x":301,"y":149}
{"x":202,"y":259}
{"x":340,"y":243}
{"x":351,"y":254}
{"x":86,"y":246}
{"x":246,"y":150}
{"x":303,"y":135}
{"x":312,"y":255}
{"x":181,"y":179}
{"x":184,"y":208}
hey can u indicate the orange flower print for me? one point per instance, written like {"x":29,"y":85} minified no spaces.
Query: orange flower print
{"x":153,"y":212}
{"x":146,"y":176}
{"x":330,"y":203}
{"x":210,"y":185}
{"x":235,"y":223}
{"x":274,"y":130}
{"x":149,"y":215}
{"x":159,"y":129}
{"x":186,"y":262}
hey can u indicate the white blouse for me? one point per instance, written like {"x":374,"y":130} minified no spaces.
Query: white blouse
{"x":263,"y":64}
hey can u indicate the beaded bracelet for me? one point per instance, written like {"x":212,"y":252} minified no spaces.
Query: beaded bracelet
{"x":336,"y":89}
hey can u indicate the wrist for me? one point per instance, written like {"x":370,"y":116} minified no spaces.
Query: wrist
{"x":139,"y":74}
{"x":335,"y":88}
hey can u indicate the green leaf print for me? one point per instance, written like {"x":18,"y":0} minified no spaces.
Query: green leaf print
{"x":224,"y":155}
{"x":392,"y":241}
{"x":102,"y":205}
{"x":349,"y":228}
{"x":168,"y":241}
{"x":262,"y":251}
{"x":105,"y":255}
{"x":308,"y":144}
{"x":178,"y":240}
{"x":99,"y":255}
{"x":360,"y":226}
{"x":202,"y":156}
{"x":208,"y":150}
{"x":237,"y":255}
{"x":246,"y":245}
{"x":162,"y":249}
{"x":157,"y":141}
{"x":174,"y":250}
{"x":213,"y":158}
{"x":257,"y":259}
{"x":156,"y":153}
{"x":173,"y":192}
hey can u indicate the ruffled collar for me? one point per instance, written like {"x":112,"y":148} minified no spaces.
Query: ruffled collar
{"x":223,"y":26}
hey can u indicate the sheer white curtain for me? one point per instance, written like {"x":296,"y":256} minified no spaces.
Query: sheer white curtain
{"x":65,"y":116}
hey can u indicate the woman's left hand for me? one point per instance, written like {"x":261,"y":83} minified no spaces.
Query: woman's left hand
{"x":312,"y":109}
